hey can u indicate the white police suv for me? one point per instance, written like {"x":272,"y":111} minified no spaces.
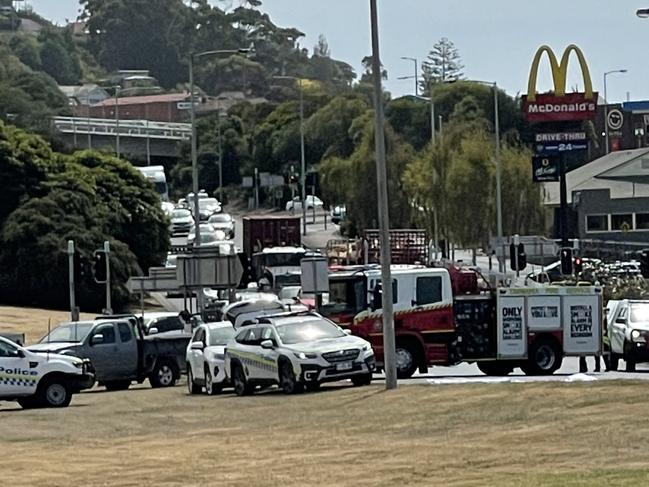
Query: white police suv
{"x":296,"y":350}
{"x":41,"y":380}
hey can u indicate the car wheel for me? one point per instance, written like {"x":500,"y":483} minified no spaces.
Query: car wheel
{"x":54,"y":393}
{"x":192,"y":388}
{"x":287,"y":380}
{"x":163,"y":375}
{"x":362,"y":380}
{"x":117,"y":385}
{"x":497,"y":369}
{"x":241,"y":386}
{"x":544,"y":358}
{"x":406,"y":360}
{"x":210,"y":387}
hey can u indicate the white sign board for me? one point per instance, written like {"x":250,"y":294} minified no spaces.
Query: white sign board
{"x":512,"y":329}
{"x":581,"y":332}
{"x":544,"y":313}
{"x":315,"y":275}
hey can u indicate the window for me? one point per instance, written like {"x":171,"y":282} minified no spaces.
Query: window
{"x":8,"y":351}
{"x":429,"y":290}
{"x":168,"y":324}
{"x":622,"y":222}
{"x":108,"y":332}
{"x":125,"y":334}
{"x":221,"y":336}
{"x":597,"y":223}
{"x":249,"y":337}
{"x":642,"y":221}
{"x":267,"y":334}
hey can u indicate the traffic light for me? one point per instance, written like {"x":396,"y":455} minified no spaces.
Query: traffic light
{"x":644,"y":263}
{"x":579,"y":265}
{"x":518,"y":256}
{"x":566,"y":261}
{"x":99,"y":267}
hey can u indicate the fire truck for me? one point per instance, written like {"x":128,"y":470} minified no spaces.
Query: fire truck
{"x":445,"y":316}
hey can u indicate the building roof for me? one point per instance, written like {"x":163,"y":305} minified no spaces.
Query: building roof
{"x":79,"y":90}
{"x":623,"y":173}
{"x":144,"y":100}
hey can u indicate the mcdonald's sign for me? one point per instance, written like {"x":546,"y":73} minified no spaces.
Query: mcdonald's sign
{"x":559,"y":106}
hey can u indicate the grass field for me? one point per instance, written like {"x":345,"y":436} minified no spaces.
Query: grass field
{"x":501,"y":435}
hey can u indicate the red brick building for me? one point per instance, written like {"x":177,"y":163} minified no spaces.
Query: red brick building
{"x":157,"y":108}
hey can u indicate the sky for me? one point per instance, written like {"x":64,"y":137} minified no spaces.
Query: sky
{"x":496,"y":39}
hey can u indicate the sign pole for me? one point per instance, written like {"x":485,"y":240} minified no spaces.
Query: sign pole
{"x":563,"y":208}
{"x":108,"y":300}
{"x":74,"y":313}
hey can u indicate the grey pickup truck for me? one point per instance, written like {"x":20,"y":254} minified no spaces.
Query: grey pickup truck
{"x":119,"y":351}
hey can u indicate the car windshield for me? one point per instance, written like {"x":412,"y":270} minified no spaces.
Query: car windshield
{"x":347,"y":295}
{"x":308,"y":331}
{"x":70,"y":332}
{"x":222,"y":218}
{"x":640,"y":313}
{"x":221,"y":336}
{"x":181,"y":213}
{"x":207,"y":202}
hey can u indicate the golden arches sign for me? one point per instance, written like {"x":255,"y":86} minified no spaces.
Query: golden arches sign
{"x":559,"y":105}
{"x":559,"y":71}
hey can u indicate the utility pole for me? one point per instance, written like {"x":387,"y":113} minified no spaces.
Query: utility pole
{"x":499,"y":198}
{"x":74,"y":313}
{"x":109,"y":309}
{"x":389,"y":345}
{"x":117,"y":148}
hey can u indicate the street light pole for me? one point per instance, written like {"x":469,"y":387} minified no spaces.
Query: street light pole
{"x":499,"y":197}
{"x":615,"y":71}
{"x":389,"y":345}
{"x":117,"y":149}
{"x":405,"y":58}
{"x":302,"y":147}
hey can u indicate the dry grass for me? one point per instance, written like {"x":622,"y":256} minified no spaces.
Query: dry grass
{"x":31,"y":321}
{"x":501,"y":435}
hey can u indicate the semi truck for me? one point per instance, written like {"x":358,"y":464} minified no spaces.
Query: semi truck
{"x":442,"y":316}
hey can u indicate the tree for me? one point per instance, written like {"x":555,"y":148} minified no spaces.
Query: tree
{"x":443,"y":64}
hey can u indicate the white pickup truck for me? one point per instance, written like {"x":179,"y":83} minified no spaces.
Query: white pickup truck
{"x":41,"y":380}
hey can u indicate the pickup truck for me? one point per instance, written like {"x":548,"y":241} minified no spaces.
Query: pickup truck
{"x":41,"y":380}
{"x":120,"y":352}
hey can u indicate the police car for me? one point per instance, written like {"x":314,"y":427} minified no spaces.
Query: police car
{"x":296,"y":350}
{"x":41,"y":380}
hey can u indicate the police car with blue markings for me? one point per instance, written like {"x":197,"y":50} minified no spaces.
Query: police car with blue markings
{"x":41,"y":380}
{"x":296,"y":351}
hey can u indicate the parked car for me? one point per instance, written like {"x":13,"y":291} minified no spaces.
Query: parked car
{"x":223,"y":222}
{"x":338,"y":214}
{"x":119,"y":351}
{"x":296,"y":351}
{"x":628,"y":330}
{"x":208,"y":236}
{"x":37,"y":380}
{"x":243,"y":311}
{"x":162,"y":322}
{"x":181,"y":221}
{"x":206,"y":356}
{"x":312,"y":202}
{"x":207,"y":207}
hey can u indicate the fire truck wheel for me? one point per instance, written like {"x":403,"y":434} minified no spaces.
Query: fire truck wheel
{"x":497,"y":369}
{"x":407,"y":355}
{"x":544,"y":357}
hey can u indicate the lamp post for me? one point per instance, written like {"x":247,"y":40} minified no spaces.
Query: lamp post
{"x":389,"y":345}
{"x":302,"y":151}
{"x":197,"y":219}
{"x":117,"y":149}
{"x":414,"y":60}
{"x":615,"y":71}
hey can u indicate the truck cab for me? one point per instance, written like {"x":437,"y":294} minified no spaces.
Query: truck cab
{"x":423,"y":311}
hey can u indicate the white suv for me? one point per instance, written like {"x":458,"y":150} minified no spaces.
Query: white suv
{"x":205,"y":356}
{"x":296,"y":350}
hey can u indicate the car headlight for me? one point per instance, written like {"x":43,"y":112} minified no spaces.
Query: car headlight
{"x":304,"y":355}
{"x":638,"y":336}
